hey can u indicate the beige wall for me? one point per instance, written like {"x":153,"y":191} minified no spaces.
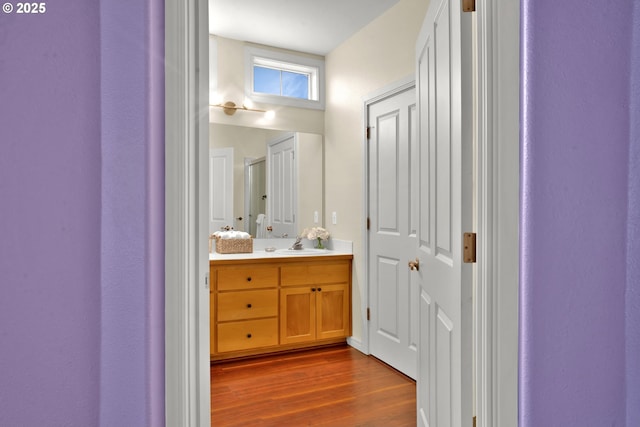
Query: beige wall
{"x":380,"y":54}
{"x":310,"y":180}
{"x":230,"y":82}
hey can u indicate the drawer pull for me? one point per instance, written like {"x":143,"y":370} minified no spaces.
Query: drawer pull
{"x":248,"y":305}
{"x":248,"y":335}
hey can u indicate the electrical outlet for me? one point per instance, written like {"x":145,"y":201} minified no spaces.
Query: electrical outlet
{"x":334,"y":218}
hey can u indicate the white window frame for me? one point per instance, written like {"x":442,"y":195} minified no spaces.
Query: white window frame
{"x":285,"y":62}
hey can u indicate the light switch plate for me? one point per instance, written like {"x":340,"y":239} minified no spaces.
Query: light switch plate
{"x":334,"y":218}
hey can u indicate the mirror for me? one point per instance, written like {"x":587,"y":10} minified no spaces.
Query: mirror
{"x":257,"y":178}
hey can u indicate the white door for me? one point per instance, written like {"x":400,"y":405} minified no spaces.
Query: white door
{"x":281,"y":186}
{"x":393,"y":292}
{"x":443,"y":56}
{"x":221,"y":188}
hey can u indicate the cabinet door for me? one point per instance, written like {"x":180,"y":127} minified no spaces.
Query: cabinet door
{"x":332,"y":311}
{"x":297,"y":315}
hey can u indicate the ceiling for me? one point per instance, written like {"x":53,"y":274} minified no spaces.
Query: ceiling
{"x":312,"y":26}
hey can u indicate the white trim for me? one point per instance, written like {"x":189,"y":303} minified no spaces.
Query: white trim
{"x":246,"y":224}
{"x":385,"y":92}
{"x":187,"y":388}
{"x":318,"y":91}
{"x":498,"y":213}
{"x":213,"y":69}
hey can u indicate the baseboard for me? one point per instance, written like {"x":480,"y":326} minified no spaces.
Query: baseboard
{"x":357,"y":344}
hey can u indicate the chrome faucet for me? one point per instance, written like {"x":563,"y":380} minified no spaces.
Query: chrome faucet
{"x":297,"y":245}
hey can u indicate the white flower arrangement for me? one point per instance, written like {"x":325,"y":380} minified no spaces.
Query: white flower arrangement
{"x":316,"y":233}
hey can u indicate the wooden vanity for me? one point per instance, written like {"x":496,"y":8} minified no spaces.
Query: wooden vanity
{"x":266,"y":305}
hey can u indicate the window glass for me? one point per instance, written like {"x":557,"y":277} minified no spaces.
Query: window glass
{"x":266,"y":80}
{"x":273,"y":77}
{"x":295,"y":85}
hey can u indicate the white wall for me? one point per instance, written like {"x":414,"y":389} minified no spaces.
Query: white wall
{"x":380,"y":54}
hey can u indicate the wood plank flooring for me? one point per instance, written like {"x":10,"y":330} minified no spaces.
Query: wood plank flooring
{"x":334,"y":386}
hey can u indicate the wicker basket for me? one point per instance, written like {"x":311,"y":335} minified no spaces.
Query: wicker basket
{"x":234,"y":246}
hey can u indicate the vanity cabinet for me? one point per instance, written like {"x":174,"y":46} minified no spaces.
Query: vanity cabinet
{"x":313,"y":302}
{"x":261,"y":306}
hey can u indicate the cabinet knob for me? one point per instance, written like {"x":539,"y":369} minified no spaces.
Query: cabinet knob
{"x":249,"y":279}
{"x":248,"y":305}
{"x":319,"y":289}
{"x":248,"y":335}
{"x":313,"y":289}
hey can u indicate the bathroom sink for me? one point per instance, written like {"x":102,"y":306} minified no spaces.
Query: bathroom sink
{"x":303,"y":251}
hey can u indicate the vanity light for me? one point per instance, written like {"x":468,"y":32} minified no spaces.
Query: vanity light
{"x":230,"y":108}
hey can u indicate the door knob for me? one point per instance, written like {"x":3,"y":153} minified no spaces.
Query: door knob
{"x":414,"y":265}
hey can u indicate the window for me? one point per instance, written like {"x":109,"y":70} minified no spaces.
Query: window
{"x":286,"y":79}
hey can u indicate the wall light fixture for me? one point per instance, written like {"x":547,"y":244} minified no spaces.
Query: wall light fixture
{"x":230,"y":108}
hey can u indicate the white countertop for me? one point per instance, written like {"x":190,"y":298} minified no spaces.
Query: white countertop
{"x":334,"y":247}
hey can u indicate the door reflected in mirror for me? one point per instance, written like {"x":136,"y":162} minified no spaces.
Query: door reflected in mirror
{"x":255,"y":174}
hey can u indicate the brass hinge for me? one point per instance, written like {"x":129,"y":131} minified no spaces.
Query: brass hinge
{"x":468,"y":5}
{"x":368,"y":223}
{"x":367,"y":132}
{"x":368,"y":313}
{"x":469,"y":247}
{"x":474,"y":421}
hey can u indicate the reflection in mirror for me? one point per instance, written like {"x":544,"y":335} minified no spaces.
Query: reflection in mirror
{"x":259,"y":181}
{"x":255,"y":187}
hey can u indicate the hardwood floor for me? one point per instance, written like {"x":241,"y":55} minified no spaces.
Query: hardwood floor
{"x":334,"y":386}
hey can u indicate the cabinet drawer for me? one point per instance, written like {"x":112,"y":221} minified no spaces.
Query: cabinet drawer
{"x":247,"y":304}
{"x":248,"y":334}
{"x":310,"y":274}
{"x":247,"y":277}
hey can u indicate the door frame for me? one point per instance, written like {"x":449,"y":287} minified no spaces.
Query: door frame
{"x":385,"y":92}
{"x":248,"y":162}
{"x":186,"y":328}
{"x":186,"y":256}
{"x":498,"y":176}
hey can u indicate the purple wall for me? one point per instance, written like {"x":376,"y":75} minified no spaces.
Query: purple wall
{"x":50,"y":216}
{"x":81,"y":223}
{"x":633,"y":242}
{"x":132,"y":251}
{"x":575,"y":148}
